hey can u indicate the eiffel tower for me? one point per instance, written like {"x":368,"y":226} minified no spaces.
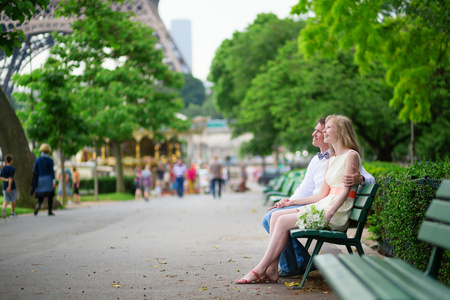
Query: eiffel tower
{"x":38,"y":37}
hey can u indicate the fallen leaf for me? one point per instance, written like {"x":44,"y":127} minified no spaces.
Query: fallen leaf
{"x":254,"y":210}
{"x":149,"y":260}
{"x":291,"y":283}
{"x":157,"y":266}
{"x":217,"y":247}
{"x":33,"y":270}
{"x":116,"y":285}
{"x":203,"y":288}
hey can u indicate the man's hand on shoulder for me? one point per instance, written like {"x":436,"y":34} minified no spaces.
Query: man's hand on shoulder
{"x":352,"y":179}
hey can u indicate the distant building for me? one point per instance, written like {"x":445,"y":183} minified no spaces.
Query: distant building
{"x":181,"y":33}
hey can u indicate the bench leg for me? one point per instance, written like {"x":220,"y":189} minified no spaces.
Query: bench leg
{"x":349,"y":249}
{"x":310,"y":264}
{"x":360,"y":249}
{"x":308,"y":243}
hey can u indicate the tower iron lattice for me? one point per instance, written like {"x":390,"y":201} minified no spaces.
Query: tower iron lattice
{"x":38,"y":37}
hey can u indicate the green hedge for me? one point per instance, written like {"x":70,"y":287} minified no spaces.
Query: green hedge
{"x":378,"y":168}
{"x":107,"y":185}
{"x":399,"y":210}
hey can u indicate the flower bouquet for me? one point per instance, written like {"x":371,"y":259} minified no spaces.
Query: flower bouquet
{"x":309,"y":217}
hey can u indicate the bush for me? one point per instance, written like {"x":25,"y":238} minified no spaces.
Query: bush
{"x":399,"y":210}
{"x":377,"y":168}
{"x":107,"y":185}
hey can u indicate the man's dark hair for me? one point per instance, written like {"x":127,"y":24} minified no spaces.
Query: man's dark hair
{"x":321,"y":121}
{"x":8,"y":158}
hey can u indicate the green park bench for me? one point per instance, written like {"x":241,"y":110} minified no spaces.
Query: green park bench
{"x":290,"y":184}
{"x":366,"y":277}
{"x":274,"y":184}
{"x":363,"y":201}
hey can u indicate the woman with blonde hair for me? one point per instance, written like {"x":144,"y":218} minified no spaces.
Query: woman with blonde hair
{"x":43,"y":182}
{"x":334,"y":198}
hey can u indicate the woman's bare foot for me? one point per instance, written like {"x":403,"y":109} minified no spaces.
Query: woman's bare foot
{"x":251,"y":277}
{"x":272,"y":275}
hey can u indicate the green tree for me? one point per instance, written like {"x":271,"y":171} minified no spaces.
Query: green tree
{"x":13,"y":139}
{"x":294,"y":92}
{"x":55,"y":117}
{"x":193,"y":90}
{"x":138,"y":91}
{"x":409,"y":37}
{"x":238,"y":60}
{"x":17,"y":11}
{"x":207,"y":109}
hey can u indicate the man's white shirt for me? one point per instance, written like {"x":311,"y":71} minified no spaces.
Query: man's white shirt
{"x":315,"y":174}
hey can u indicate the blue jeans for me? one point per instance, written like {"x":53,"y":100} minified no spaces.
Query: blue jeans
{"x":294,"y":255}
{"x":180,"y":186}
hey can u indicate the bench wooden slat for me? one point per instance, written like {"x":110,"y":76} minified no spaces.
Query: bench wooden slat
{"x":367,"y":190}
{"x":358,"y":214}
{"x":438,"y":210}
{"x":432,"y":287}
{"x":406,"y":277}
{"x":444,"y":190}
{"x":344,"y":284}
{"x":372,"y":279}
{"x":363,"y":202}
{"x":435,"y":233}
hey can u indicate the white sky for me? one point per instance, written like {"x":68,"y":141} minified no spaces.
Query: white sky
{"x":213,"y":21}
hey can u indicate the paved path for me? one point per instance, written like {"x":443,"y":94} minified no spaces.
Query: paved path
{"x":168,"y":248}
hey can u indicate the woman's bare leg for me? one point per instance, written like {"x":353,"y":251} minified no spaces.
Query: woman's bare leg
{"x":284,"y":221}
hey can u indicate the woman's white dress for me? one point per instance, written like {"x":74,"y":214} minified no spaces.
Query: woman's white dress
{"x":333,"y":177}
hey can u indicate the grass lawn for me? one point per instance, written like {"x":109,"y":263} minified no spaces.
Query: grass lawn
{"x":19,"y":210}
{"x":109,"y":197}
{"x":101,"y":197}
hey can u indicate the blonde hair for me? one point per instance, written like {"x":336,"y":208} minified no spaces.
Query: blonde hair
{"x":346,"y":133}
{"x":45,"y":148}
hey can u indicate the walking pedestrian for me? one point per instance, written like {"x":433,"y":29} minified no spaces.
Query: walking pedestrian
{"x":215,"y":170}
{"x":76,"y":185}
{"x":179,"y":171}
{"x":43,"y":182}
{"x":9,"y":186}
{"x":146,"y":181}
{"x":191,"y":174}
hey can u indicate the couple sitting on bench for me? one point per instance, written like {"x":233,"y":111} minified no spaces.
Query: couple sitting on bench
{"x":342,"y":174}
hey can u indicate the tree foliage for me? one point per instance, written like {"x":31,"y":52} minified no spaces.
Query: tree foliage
{"x":409,"y":37}
{"x":295,"y":91}
{"x":17,"y":11}
{"x":193,"y":91}
{"x":137,"y":90}
{"x":13,"y":139}
{"x":240,"y":59}
{"x":55,"y":116}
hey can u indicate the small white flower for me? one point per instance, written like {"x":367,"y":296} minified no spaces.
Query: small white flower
{"x":311,"y":218}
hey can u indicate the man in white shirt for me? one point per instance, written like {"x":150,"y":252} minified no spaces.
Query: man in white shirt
{"x":294,"y":258}
{"x":179,"y":169}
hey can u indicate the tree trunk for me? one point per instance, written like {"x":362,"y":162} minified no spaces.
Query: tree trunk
{"x":411,"y":146}
{"x":62,"y":182}
{"x":95,"y":172}
{"x":120,"y":185}
{"x":13,"y":141}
